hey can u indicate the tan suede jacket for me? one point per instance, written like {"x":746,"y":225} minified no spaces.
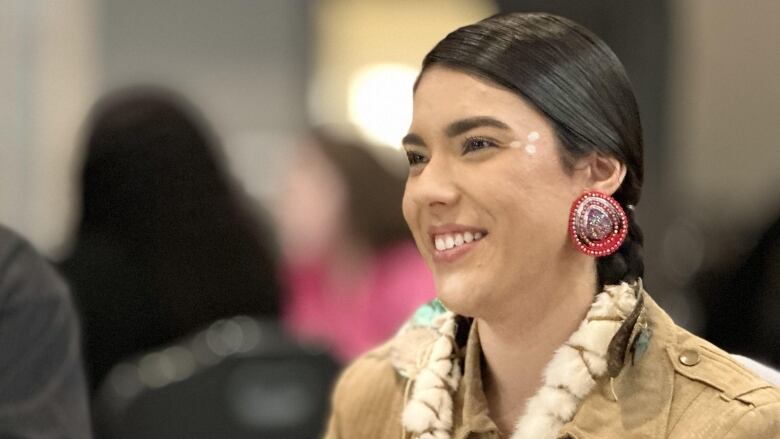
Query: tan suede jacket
{"x":682,"y":388}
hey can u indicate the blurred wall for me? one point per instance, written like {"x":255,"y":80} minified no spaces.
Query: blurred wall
{"x":722,"y":161}
{"x":391,"y":36}
{"x":724,"y":105}
{"x":244,"y":62}
{"x":48,"y":78}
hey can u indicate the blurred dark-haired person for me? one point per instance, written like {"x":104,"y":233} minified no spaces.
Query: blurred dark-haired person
{"x":43,"y":394}
{"x":351,"y":271}
{"x":166,"y":243}
{"x":749,"y":287}
{"x":525,"y":166}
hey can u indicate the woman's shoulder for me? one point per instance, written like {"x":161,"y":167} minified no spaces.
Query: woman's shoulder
{"x":714,"y":383}
{"x":702,"y":361}
{"x":717,"y":392}
{"x":370,"y":394}
{"x":676,"y":385}
{"x":374,"y":367}
{"x":368,"y":398}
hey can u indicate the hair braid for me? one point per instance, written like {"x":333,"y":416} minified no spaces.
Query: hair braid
{"x":626,"y":264}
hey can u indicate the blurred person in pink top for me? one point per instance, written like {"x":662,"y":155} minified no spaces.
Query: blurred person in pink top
{"x":351,"y":271}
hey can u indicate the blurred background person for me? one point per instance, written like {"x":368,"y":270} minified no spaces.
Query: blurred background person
{"x":42,"y":387}
{"x":745,"y":284}
{"x":165,"y":244}
{"x":351,"y":272}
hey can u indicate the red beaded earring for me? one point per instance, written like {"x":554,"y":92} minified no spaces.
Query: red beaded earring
{"x":597,"y":224}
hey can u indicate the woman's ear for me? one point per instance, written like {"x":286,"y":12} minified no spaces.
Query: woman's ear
{"x":602,"y":173}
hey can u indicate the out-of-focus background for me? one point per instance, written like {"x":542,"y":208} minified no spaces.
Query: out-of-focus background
{"x":261,"y":73}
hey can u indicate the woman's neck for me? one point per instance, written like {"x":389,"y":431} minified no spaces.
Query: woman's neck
{"x":517,"y":347}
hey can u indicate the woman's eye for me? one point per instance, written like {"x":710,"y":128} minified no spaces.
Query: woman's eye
{"x":415,"y":158}
{"x":477,"y":143}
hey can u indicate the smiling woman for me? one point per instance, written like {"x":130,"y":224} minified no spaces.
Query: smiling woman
{"x":525,"y":155}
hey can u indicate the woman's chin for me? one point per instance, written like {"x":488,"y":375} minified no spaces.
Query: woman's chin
{"x":459,"y":297}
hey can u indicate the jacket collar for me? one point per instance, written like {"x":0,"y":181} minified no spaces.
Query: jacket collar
{"x":471,"y":395}
{"x":643,"y":389}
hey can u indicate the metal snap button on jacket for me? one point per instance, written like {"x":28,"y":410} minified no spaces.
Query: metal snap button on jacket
{"x":689,"y":357}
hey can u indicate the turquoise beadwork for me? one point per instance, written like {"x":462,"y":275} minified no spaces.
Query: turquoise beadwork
{"x":426,"y":314}
{"x":642,"y":342}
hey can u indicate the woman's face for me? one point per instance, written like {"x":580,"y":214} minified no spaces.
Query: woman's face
{"x":487,"y":198}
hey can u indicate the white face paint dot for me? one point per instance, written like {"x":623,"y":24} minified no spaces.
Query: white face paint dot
{"x":533,"y":136}
{"x":530,"y":148}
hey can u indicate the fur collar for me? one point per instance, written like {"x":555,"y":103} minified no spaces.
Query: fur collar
{"x":425,"y":352}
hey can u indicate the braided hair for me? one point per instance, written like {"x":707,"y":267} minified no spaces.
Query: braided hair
{"x":572,"y":77}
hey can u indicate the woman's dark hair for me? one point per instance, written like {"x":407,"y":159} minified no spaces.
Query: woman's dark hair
{"x":165,"y":243}
{"x":577,"y":82}
{"x":374,"y":192}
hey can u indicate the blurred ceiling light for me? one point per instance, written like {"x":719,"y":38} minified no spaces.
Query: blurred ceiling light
{"x":366,"y":56}
{"x":380,"y":101}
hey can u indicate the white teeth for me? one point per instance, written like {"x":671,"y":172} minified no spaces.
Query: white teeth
{"x":459,"y":239}
{"x":449,"y":241}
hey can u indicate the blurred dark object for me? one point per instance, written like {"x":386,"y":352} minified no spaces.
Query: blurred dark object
{"x":741,"y":302}
{"x":240,"y":378}
{"x":43,"y":393}
{"x":166,"y":244}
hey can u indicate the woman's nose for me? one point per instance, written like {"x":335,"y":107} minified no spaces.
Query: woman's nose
{"x":436,"y":185}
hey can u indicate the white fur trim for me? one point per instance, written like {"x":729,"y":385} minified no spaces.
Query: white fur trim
{"x":428,"y":414}
{"x":567,"y":378}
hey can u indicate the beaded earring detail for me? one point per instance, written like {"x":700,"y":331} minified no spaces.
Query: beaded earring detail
{"x":597,"y":224}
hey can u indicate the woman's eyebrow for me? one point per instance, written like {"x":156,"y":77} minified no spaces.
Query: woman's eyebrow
{"x":413,"y":139}
{"x":457,"y":128}
{"x":461,"y":126}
